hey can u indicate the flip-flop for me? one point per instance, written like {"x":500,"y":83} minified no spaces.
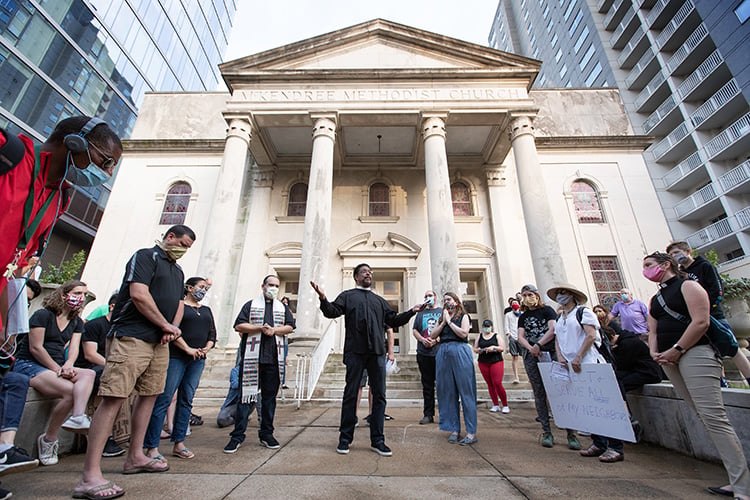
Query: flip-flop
{"x":183,"y":453}
{"x":93,"y":492}
{"x":149,"y":467}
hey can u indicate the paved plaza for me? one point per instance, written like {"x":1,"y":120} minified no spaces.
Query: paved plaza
{"x":507,"y":462}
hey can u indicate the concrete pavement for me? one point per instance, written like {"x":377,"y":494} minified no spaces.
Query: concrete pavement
{"x":507,"y":462}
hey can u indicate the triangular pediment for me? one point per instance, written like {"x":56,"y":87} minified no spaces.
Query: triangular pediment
{"x":376,"y":45}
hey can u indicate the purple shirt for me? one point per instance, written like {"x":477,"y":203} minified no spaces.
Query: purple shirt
{"x":632,"y":316}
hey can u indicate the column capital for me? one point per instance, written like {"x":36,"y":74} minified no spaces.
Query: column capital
{"x":521,"y":125}
{"x":263,"y":177}
{"x":239,"y":127}
{"x":495,"y":175}
{"x":433,"y":125}
{"x":324,"y":124}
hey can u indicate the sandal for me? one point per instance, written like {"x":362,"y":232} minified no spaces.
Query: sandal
{"x":183,"y":453}
{"x":95,"y":492}
{"x":151,"y":466}
{"x":195,"y":419}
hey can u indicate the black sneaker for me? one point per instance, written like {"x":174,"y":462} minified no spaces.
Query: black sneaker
{"x":342,"y":448}
{"x":381,"y":449}
{"x":387,"y":417}
{"x":5,"y":494}
{"x":232,"y":446}
{"x":17,"y":460}
{"x":112,"y":449}
{"x":270,"y":442}
{"x":427,"y":420}
{"x":367,"y":420}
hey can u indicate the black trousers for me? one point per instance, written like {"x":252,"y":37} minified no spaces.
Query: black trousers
{"x":427,"y":371}
{"x":268,"y":381}
{"x":356,"y":364}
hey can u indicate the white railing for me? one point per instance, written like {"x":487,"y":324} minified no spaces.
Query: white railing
{"x":644,"y":61}
{"x":733,"y":133}
{"x":300,"y":377}
{"x":690,"y":44}
{"x":719,"y":99}
{"x":655,"y":82}
{"x":612,"y":12}
{"x":683,"y":168}
{"x":736,"y":176}
{"x":743,"y":218}
{"x":711,"y":63}
{"x":630,"y":47}
{"x":675,"y":136}
{"x":319,"y":357}
{"x":658,"y":115}
{"x":711,"y":233}
{"x":655,"y":11}
{"x":604,"y":6}
{"x":695,"y":200}
{"x":615,"y":38}
{"x":675,"y":23}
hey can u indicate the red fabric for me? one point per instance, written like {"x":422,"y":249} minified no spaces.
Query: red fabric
{"x":14,"y":188}
{"x":493,"y":375}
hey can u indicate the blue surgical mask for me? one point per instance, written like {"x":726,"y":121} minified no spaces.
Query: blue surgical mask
{"x":430,"y":301}
{"x":91,"y":176}
{"x":625,"y":297}
{"x":563,"y":299}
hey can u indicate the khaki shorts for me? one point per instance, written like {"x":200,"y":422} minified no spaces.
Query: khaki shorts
{"x":134,"y":364}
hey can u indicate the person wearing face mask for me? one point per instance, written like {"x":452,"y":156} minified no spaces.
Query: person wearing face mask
{"x":47,"y":354}
{"x":489,"y":346}
{"x":424,"y":323}
{"x":145,"y":319}
{"x":187,"y":358}
{"x":511,"y":330}
{"x":536,"y":334}
{"x":632,"y":313}
{"x":702,"y":271}
{"x":262,"y":323}
{"x":35,"y":182}
{"x":684,"y":352}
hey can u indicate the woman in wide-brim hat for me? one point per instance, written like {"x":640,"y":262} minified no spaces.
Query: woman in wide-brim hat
{"x":578,"y":295}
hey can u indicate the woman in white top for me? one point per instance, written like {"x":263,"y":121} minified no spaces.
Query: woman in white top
{"x":511,"y":330}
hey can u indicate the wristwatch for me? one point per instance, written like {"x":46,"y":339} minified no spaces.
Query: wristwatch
{"x":679,"y":348}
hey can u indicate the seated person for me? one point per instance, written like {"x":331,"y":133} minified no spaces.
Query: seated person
{"x":634,"y":365}
{"x":42,"y":357}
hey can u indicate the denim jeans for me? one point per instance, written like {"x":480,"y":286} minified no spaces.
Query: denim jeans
{"x":268,"y":382}
{"x":356,"y":364}
{"x":456,"y":379}
{"x":12,"y":399}
{"x":183,"y":376}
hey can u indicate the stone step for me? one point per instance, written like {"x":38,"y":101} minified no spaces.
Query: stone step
{"x":409,"y":394}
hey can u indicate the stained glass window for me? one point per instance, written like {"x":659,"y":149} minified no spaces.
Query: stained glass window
{"x":380,"y":200}
{"x":297,"y":200}
{"x":607,"y":279}
{"x":176,"y":204}
{"x":586,"y":203}
{"x":461,"y":197}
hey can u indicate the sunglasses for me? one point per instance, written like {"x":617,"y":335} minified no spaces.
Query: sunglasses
{"x":108,"y":163}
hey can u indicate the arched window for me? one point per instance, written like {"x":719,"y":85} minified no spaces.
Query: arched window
{"x":297,"y":200}
{"x":176,"y":204}
{"x":586,"y":203}
{"x":380,"y":200}
{"x":461,"y":198}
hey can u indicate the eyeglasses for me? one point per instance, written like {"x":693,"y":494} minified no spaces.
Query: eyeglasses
{"x":109,"y":162}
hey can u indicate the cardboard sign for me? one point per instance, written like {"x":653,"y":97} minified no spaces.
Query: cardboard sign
{"x":589,"y":401}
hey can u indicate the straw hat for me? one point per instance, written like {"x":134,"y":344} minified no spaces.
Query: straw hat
{"x":580,"y":297}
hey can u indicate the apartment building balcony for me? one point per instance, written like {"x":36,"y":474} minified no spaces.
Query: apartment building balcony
{"x":737,"y":180}
{"x":643,"y":71}
{"x":679,"y":28}
{"x":615,"y":14}
{"x":645,"y":4}
{"x":718,"y":231}
{"x":653,"y":94}
{"x":661,"y":13}
{"x":709,"y":77}
{"x":677,"y":144}
{"x":688,"y":173}
{"x":720,"y":108}
{"x":733,"y":142}
{"x":625,"y":30}
{"x":700,"y":204}
{"x":664,"y":118}
{"x":604,"y":5}
{"x":696,"y":48}
{"x":634,"y":49}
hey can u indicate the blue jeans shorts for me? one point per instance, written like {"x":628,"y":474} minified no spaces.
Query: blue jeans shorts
{"x":28,"y":367}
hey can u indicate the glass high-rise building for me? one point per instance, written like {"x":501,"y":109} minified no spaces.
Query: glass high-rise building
{"x":60,"y":58}
{"x":683,"y":70}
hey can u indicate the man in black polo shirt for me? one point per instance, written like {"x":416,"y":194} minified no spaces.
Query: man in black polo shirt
{"x":148,"y":308}
{"x":365,"y":313}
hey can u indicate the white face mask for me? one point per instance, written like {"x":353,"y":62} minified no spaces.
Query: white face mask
{"x":271,"y":292}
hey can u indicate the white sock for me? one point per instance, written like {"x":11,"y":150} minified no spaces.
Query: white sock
{"x":5,"y":447}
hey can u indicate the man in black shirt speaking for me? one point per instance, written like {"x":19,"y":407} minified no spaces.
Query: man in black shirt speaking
{"x":365,"y":313}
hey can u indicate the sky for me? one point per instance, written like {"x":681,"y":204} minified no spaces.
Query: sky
{"x":264,"y":25}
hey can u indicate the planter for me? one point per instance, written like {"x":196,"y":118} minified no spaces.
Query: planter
{"x":737,"y":312}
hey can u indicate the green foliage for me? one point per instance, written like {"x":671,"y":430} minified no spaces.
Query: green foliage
{"x":734,"y":288}
{"x":67,"y":271}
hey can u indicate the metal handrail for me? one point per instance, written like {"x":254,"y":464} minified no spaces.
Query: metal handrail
{"x":690,"y":44}
{"x":737,"y":175}
{"x":675,"y":23}
{"x":682,"y":169}
{"x":719,"y":99}
{"x":711,"y":63}
{"x":734,"y":132}
{"x":658,"y":115}
{"x":319,"y":356}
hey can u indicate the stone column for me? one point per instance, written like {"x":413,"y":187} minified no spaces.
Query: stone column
{"x":317,"y":230}
{"x":216,"y":247}
{"x":540,"y":226}
{"x":442,"y":234}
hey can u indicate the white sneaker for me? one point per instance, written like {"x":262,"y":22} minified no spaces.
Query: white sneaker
{"x":506,"y":409}
{"x":495,"y":409}
{"x":47,"y":451}
{"x":77,"y":424}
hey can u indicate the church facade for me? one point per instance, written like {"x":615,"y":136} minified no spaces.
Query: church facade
{"x":429,"y":158}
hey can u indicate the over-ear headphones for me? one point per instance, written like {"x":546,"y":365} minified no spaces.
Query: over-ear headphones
{"x":77,"y":143}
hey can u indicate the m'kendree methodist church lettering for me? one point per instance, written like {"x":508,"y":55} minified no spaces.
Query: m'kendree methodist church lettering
{"x":364,"y":95}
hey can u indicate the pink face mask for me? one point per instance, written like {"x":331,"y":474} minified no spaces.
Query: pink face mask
{"x":654,"y":273}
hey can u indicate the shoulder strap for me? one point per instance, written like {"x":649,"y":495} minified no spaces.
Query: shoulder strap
{"x":674,"y":314}
{"x":579,"y":315}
